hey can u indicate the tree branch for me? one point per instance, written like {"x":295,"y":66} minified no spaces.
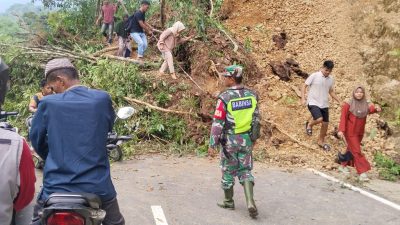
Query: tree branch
{"x":157,"y":108}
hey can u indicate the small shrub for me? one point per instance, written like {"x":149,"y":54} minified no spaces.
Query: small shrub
{"x":388,"y":168}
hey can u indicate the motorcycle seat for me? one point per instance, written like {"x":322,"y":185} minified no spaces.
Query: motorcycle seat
{"x":86,"y":199}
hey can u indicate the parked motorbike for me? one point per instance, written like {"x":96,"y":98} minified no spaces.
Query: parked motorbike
{"x":3,"y":121}
{"x":72,"y":209}
{"x":84,"y":208}
{"x":114,"y":141}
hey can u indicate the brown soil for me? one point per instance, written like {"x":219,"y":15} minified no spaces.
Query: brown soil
{"x":303,"y":31}
{"x":316,"y":31}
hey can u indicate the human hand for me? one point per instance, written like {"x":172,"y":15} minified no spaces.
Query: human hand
{"x":340,"y":134}
{"x":378,"y":108}
{"x":303,"y":102}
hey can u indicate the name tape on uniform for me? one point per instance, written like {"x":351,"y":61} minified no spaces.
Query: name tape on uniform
{"x":242,"y":104}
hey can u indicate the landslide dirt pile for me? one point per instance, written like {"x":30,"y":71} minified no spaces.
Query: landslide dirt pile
{"x":307,"y":32}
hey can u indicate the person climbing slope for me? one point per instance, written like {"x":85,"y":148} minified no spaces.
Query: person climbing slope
{"x":169,"y":39}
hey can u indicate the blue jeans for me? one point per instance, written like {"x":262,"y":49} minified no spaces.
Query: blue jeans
{"x":141,"y":41}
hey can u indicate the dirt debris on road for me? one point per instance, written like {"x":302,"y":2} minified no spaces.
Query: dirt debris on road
{"x":312,"y":35}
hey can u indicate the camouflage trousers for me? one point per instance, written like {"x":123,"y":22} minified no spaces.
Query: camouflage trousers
{"x":236,"y":161}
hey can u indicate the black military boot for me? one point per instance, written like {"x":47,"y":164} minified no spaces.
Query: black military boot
{"x":251,"y":205}
{"x":228,"y":202}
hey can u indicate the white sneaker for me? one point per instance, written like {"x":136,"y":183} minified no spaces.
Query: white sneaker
{"x":344,"y":169}
{"x":363,"y":177}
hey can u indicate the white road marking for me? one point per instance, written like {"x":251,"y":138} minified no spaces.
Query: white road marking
{"x":356,"y":189}
{"x":158,"y":214}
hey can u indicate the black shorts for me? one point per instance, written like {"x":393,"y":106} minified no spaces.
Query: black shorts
{"x":317,"y":113}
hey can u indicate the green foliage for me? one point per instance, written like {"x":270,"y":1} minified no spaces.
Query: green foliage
{"x":162,"y":99}
{"x":72,"y":26}
{"x":218,"y":5}
{"x":9,"y":28}
{"x":202,"y":150}
{"x":289,"y":100}
{"x":395,"y":52}
{"x":119,"y":79}
{"x":388,"y":168}
{"x":167,"y":127}
{"x":248,"y":44}
{"x":397,"y":120}
{"x":190,"y":102}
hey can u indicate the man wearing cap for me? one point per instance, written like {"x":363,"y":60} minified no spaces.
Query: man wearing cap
{"x":69,"y":131}
{"x":236,"y":127}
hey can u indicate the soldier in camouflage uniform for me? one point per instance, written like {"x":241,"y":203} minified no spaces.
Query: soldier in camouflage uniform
{"x":235,"y":128}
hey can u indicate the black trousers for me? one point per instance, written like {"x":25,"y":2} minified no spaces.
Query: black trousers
{"x":113,"y":214}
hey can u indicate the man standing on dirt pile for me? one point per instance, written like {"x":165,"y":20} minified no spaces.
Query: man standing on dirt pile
{"x":137,"y":28}
{"x":236,"y":127}
{"x":321,"y":85}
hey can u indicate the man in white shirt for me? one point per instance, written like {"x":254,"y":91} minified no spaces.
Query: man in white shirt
{"x":320,"y":85}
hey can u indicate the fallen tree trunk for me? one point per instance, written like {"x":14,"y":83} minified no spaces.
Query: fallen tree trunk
{"x":158,"y":108}
{"x":191,"y":79}
{"x":235,"y":45}
{"x":212,"y":8}
{"x":101,"y":52}
{"x":107,"y":56}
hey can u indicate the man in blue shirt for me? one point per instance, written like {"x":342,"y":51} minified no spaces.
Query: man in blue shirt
{"x":69,"y":131}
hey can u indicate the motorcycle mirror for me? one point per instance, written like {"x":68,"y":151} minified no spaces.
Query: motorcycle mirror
{"x":125,"y":112}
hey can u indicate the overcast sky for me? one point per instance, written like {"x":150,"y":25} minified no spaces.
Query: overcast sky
{"x":5,"y":4}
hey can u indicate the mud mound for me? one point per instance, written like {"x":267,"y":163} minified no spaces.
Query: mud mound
{"x":312,"y":35}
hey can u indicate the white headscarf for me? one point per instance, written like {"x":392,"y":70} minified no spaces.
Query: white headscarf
{"x":177,"y":27}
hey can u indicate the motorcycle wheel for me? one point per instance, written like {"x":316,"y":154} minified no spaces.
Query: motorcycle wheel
{"x":37,"y":162}
{"x":115,"y":154}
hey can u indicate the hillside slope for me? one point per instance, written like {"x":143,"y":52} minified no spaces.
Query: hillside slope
{"x":316,"y":31}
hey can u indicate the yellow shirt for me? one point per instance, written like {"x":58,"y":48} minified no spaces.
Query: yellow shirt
{"x":33,"y":101}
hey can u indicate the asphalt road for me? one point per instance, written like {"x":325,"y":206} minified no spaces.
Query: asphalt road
{"x":187,"y":190}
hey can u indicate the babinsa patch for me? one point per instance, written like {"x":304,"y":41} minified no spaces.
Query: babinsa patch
{"x":242,"y":104}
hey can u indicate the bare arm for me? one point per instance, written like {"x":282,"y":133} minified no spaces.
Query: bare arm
{"x":32,"y":106}
{"x":145,"y":26}
{"x":303,"y":94}
{"x":123,"y":7}
{"x":100,"y":17}
{"x":334,"y":96}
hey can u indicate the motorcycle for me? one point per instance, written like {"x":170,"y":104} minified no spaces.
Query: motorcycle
{"x":84,"y":208}
{"x":73,"y":209}
{"x":3,"y":121}
{"x":114,"y":141}
{"x":113,"y":145}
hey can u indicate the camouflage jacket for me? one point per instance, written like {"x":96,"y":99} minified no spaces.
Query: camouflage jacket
{"x":223,"y":126}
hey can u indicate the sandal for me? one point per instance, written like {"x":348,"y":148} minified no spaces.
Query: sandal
{"x":325,"y":147}
{"x":308,"y":130}
{"x":344,"y":169}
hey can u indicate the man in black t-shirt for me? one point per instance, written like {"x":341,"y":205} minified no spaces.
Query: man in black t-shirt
{"x":138,"y":28}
